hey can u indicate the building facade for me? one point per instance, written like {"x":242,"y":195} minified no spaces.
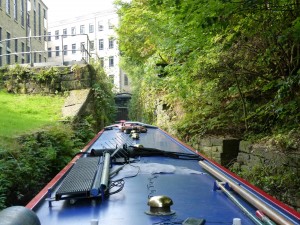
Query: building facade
{"x":23,"y":24}
{"x":87,"y":38}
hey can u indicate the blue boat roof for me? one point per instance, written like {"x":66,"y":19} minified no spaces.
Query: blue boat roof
{"x":190,"y":187}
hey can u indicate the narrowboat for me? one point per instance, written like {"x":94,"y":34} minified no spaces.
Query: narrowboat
{"x":133,"y":173}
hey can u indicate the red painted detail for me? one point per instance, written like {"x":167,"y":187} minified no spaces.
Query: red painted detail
{"x":275,"y":201}
{"x":34,"y":202}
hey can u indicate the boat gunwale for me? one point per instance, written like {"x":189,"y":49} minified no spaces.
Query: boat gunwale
{"x":292,"y":212}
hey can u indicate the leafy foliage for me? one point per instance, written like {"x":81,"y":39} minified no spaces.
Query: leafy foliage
{"x":15,"y":79}
{"x":34,"y":160}
{"x":103,"y":97}
{"x":277,"y":180}
{"x":233,"y":66}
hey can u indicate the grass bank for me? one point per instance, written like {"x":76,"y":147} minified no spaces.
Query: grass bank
{"x":23,"y":113}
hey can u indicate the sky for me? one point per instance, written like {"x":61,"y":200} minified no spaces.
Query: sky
{"x":66,"y":9}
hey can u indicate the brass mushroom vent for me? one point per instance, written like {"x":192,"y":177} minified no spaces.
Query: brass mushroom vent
{"x":160,"y":206}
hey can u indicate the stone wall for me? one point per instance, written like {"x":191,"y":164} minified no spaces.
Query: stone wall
{"x":221,"y":150}
{"x":43,"y":80}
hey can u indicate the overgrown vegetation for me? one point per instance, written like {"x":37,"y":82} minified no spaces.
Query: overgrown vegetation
{"x":220,"y":67}
{"x":16,"y":79}
{"x":281,"y":181}
{"x":33,"y":161}
{"x":103,"y":97}
{"x":233,"y":66}
{"x":34,"y":145}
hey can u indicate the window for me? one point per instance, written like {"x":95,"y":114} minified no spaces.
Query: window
{"x":111,"y":61}
{"x":56,"y":34}
{"x":111,"y":43}
{"x":82,"y":46}
{"x":16,"y":51}
{"x":92,"y":45}
{"x":56,"y":50}
{"x":49,"y":52}
{"x":8,"y":7}
{"x":49,"y":36}
{"x":23,"y":50}
{"x":65,"y":49}
{"x":65,"y":32}
{"x":125,"y":80}
{"x":40,"y":23}
{"x":45,"y":35}
{"x":28,"y":55}
{"x":8,"y":57}
{"x":15,"y":9}
{"x":16,"y":45}
{"x":100,"y":26}
{"x":40,"y":58}
{"x":34,"y":57}
{"x":101,"y":44}
{"x":34,"y":23}
{"x":73,"y":30}
{"x":112,"y":78}
{"x":91,"y":28}
{"x":82,"y":29}
{"x":45,"y":14}
{"x":8,"y":40}
{"x":110,"y":24}
{"x":101,"y":62}
{"x":22,"y":13}
{"x":73,"y":48}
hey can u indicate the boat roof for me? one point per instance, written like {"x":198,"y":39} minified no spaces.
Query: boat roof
{"x":178,"y":177}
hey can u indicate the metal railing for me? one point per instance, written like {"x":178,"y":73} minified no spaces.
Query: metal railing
{"x":28,"y":55}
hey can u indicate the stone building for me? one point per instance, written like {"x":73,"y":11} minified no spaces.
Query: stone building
{"x":87,"y":38}
{"x":22,"y":26}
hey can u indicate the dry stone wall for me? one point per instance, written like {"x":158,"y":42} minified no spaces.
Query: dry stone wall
{"x":62,"y":79}
{"x":221,"y":150}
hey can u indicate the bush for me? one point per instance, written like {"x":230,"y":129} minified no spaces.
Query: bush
{"x":28,"y":168}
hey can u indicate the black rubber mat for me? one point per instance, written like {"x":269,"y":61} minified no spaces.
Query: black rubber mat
{"x":79,"y":180}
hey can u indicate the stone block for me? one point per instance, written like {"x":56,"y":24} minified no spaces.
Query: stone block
{"x":216,"y":154}
{"x":206,"y":149}
{"x":217,"y":149}
{"x":217,"y":159}
{"x":206,"y":142}
{"x":216,"y":141}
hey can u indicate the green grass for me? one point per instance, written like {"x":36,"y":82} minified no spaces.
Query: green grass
{"x":20,"y":114}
